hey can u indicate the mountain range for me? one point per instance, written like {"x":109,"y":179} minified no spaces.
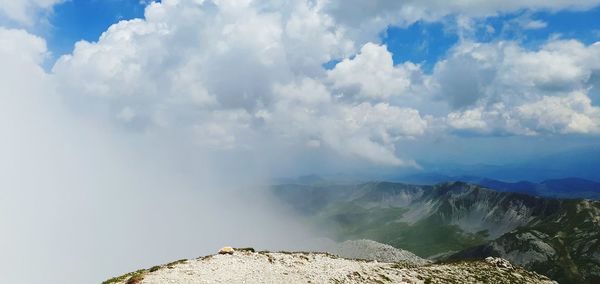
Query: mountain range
{"x":582,"y":162}
{"x":558,"y":188}
{"x":458,"y":220}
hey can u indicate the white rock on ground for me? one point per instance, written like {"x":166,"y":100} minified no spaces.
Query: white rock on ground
{"x":268,"y":267}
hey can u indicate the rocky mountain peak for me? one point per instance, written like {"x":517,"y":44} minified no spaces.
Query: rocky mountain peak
{"x":248,"y":266}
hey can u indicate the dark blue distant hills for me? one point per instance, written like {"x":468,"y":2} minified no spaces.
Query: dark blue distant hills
{"x":583,"y":163}
{"x":569,"y":174}
{"x":557,"y":188}
{"x":566,"y":188}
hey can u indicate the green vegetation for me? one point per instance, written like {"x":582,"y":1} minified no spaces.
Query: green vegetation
{"x":426,"y":237}
{"x":170,"y":265}
{"x":138,"y":276}
{"x":245,"y":249}
{"x":554,"y":237}
{"x":135,"y":279}
{"x":566,"y":243}
{"x":128,"y":276}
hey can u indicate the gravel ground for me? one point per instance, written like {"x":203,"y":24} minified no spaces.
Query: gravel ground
{"x":298,"y":267}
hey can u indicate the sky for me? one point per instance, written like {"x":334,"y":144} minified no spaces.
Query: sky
{"x":118,"y":115}
{"x":382,"y":73}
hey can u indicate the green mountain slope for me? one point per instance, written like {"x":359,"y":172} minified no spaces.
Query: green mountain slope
{"x":551,"y":236}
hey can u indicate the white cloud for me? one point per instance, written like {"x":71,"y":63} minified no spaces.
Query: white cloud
{"x":372,"y":74}
{"x":372,"y":131}
{"x":83,"y":201}
{"x":313,"y":38}
{"x":25,"y":11}
{"x":476,"y":72}
{"x":365,"y":19}
{"x":22,"y":46}
{"x":573,"y":113}
{"x":236,"y":74}
{"x":356,"y":13}
{"x":501,"y":87}
{"x":471,"y":119}
{"x":20,"y":73}
{"x":307,"y":112}
{"x":534,"y":25}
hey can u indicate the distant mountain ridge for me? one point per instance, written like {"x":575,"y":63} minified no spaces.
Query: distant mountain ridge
{"x":559,"y":188}
{"x":463,"y":220}
{"x":581,"y":163}
{"x":568,"y":188}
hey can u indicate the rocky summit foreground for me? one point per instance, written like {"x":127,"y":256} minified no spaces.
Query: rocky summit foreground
{"x":247,"y":266}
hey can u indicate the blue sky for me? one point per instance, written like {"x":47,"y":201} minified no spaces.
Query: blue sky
{"x":77,"y":20}
{"x":458,"y":102}
{"x":423,"y":42}
{"x":427,"y":42}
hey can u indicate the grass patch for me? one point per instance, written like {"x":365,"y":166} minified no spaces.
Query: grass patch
{"x":245,"y":249}
{"x":138,"y":276}
{"x":135,"y":279}
{"x":120,"y":279}
{"x":171,"y":265}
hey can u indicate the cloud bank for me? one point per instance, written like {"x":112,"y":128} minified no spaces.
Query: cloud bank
{"x":83,"y":202}
{"x":25,"y":11}
{"x":241,"y":74}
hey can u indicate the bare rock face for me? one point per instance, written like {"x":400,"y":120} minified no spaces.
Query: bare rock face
{"x":563,"y":246}
{"x":247,"y":266}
